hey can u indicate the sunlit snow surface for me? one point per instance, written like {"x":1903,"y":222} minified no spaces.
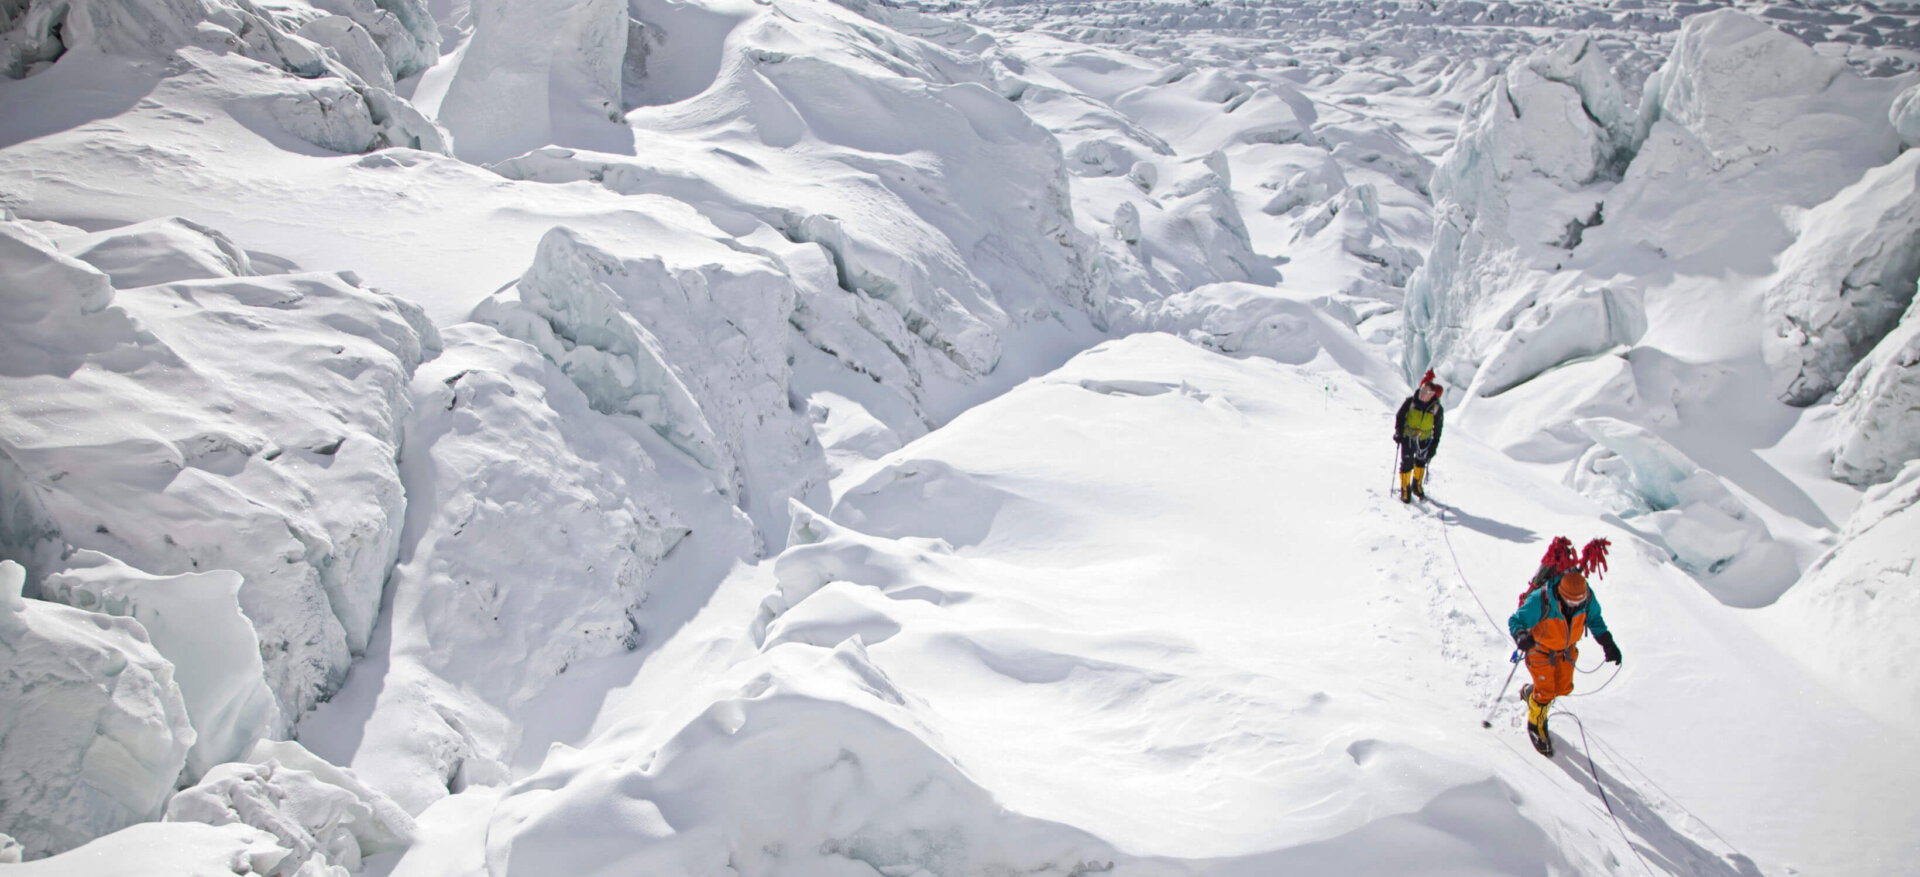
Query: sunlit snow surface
{"x":805,"y":438}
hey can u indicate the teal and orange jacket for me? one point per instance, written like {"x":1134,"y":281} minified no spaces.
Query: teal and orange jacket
{"x":1544,"y":615}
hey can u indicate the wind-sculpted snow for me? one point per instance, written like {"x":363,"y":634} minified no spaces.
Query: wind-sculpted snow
{"x":94,"y":726}
{"x":244,"y":423}
{"x":194,"y":621}
{"x":1052,"y":636}
{"x":323,"y":814}
{"x":1845,"y":618}
{"x":534,"y":527}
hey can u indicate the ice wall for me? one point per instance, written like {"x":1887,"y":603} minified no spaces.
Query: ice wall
{"x":1878,"y":431}
{"x":95,"y":728}
{"x":226,"y":422}
{"x":536,"y":526}
{"x":194,"y":621}
{"x":339,"y":96}
{"x":537,"y":73}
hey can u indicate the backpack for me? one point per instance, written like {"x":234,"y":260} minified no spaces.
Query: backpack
{"x":1560,"y":559}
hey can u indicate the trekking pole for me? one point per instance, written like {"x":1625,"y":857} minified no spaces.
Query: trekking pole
{"x":1488,"y":721}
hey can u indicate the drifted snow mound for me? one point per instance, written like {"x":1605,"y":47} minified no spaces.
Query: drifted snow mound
{"x":95,"y":729}
{"x":1878,"y":401}
{"x":246,"y":423}
{"x":1847,"y":618}
{"x":691,"y":340}
{"x":338,"y":97}
{"x":535,"y":73}
{"x":194,"y":621}
{"x":164,"y":849}
{"x":326,"y":816}
{"x":1512,"y":195}
{"x":1242,"y":319}
{"x":1843,"y":285}
{"x":1710,"y":532}
{"x":535,"y":552}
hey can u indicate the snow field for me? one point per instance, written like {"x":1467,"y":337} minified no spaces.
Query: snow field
{"x":729,"y":281}
{"x":1125,"y":636}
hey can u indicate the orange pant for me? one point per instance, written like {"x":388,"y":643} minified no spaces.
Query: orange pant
{"x":1552,"y":674}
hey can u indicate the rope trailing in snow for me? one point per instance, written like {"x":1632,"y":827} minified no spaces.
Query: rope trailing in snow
{"x":1462,"y":573}
{"x":1602,"y":789}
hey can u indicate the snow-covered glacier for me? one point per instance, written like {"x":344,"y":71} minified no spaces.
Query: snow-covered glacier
{"x":800,"y":437}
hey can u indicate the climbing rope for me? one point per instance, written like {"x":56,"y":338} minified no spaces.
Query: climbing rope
{"x":1602,"y":789}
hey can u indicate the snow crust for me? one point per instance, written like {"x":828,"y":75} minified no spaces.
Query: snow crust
{"x":95,"y":726}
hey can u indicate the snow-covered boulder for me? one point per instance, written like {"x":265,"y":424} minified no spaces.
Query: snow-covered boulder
{"x":536,"y":553}
{"x":1709,"y":532}
{"x":1878,"y":429}
{"x":194,"y":621}
{"x":242,"y":423}
{"x":536,"y":73}
{"x":95,"y":731}
{"x":1844,"y":283}
{"x":325,"y":815}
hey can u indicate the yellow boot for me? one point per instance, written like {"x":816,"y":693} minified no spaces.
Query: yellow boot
{"x":1419,"y":476}
{"x":1537,"y":724}
{"x":1405,"y":480}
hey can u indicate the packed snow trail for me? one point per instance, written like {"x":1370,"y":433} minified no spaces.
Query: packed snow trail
{"x":1156,"y":607}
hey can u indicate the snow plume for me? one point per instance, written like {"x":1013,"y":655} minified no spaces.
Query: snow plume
{"x":96,"y":731}
{"x":223,"y":422}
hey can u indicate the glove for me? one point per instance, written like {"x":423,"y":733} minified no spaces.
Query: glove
{"x":1606,"y":645}
{"x":1524,"y":640}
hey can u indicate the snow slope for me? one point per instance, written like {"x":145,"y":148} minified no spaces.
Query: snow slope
{"x":600,"y":426}
{"x":1092,"y":623}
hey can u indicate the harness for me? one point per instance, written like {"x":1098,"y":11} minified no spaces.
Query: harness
{"x":1554,"y":601}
